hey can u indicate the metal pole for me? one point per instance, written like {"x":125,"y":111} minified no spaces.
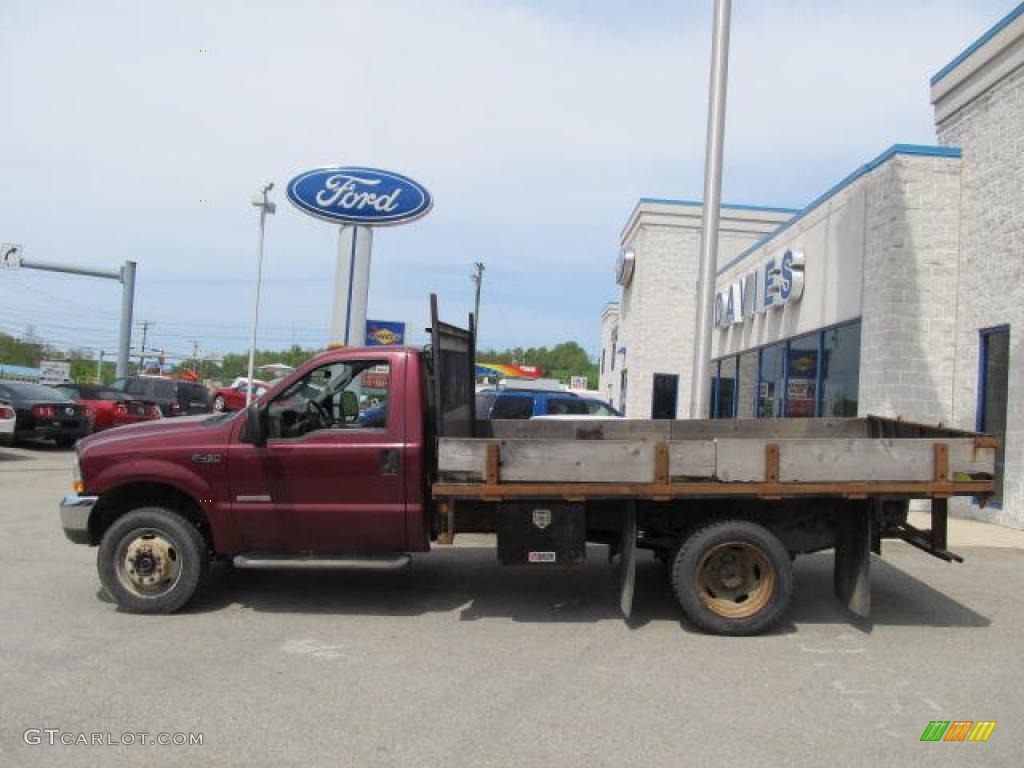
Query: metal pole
{"x":478,"y":279}
{"x":699,"y":387}
{"x":265,"y":207}
{"x":124,"y":336}
{"x":99,"y":368}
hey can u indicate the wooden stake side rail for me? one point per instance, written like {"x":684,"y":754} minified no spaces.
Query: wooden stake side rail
{"x":656,"y":492}
{"x":769,"y":469}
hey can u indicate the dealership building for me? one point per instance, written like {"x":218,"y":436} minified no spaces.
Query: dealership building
{"x":897,"y":292}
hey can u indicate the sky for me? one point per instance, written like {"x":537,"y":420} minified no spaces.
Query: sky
{"x":141,"y":130}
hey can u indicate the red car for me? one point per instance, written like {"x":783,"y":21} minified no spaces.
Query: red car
{"x":233,"y":398}
{"x":110,"y":408}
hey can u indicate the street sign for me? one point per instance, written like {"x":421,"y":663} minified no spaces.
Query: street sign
{"x":10,"y":256}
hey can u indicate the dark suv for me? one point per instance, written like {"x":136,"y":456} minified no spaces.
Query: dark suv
{"x":175,"y":398}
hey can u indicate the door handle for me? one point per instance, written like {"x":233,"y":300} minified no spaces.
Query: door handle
{"x":389,"y":461}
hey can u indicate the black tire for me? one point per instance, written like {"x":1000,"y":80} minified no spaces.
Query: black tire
{"x":162,"y":539}
{"x":712,"y":558}
{"x":65,"y":442}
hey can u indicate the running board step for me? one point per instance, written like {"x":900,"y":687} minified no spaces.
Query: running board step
{"x":385,"y":561}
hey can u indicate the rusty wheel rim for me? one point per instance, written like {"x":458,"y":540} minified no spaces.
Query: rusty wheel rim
{"x":735,"y":580}
{"x":148,"y":562}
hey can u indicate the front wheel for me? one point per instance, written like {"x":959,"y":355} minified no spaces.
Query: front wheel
{"x":152,"y":560}
{"x":64,"y":442}
{"x":732,"y":577}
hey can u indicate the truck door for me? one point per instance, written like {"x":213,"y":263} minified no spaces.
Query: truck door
{"x":330,"y":477}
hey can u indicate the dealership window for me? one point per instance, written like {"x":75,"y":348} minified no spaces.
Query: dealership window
{"x":993,"y":373}
{"x":812,"y":375}
{"x":746,"y":392}
{"x":723,"y":390}
{"x":840,"y":371}
{"x":770,"y":381}
{"x":802,"y":376}
{"x":666,"y":392}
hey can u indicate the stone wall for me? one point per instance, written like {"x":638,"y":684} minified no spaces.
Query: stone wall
{"x":990,"y":132}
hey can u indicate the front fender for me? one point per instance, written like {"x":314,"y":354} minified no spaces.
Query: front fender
{"x":204,"y":484}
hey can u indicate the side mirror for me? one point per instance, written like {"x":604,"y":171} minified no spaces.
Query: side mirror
{"x":349,"y":405}
{"x":255,"y":426}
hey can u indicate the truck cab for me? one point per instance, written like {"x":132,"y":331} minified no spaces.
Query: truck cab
{"x":302,"y":470}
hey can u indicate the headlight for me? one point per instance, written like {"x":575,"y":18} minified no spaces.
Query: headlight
{"x":76,"y":476}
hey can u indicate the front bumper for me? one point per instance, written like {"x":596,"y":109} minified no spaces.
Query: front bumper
{"x":74,"y":517}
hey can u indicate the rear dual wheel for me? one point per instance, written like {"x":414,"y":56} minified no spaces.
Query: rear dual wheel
{"x":732,"y":577}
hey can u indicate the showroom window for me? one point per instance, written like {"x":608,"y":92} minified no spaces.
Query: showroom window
{"x":723,"y":388}
{"x":993,"y":373}
{"x":802,"y":376}
{"x":840,"y":371}
{"x":770,"y":381}
{"x":813,"y":375}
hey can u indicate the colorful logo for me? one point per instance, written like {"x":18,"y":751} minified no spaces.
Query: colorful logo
{"x":380,"y":333}
{"x":958,"y":730}
{"x":505,"y":371}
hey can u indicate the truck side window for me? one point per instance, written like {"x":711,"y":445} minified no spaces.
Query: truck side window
{"x":340,"y":395}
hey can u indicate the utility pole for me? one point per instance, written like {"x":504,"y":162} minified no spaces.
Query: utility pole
{"x":195,"y":356}
{"x":478,"y":280}
{"x":700,"y":387}
{"x":99,"y":368}
{"x":260,"y":201}
{"x":142,"y":350}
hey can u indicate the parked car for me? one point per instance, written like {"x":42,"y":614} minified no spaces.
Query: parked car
{"x":112,"y":408}
{"x":527,"y":404}
{"x":7,"y":420}
{"x":175,"y":398}
{"x":43,"y":412}
{"x":233,"y":398}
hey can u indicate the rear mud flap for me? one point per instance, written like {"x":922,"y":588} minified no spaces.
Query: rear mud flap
{"x":627,"y":559}
{"x":852,"y":574}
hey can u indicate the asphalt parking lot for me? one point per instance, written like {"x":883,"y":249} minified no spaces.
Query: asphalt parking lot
{"x":456,"y":661}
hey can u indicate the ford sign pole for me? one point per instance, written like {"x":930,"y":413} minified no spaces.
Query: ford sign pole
{"x":351,"y":286}
{"x":265,"y":206}
{"x":700,"y":389}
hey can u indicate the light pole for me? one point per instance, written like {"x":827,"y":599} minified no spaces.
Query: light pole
{"x":700,"y":389}
{"x":260,"y":201}
{"x":478,"y":279}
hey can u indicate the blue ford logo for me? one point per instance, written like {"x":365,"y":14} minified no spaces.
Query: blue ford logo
{"x":364,"y":196}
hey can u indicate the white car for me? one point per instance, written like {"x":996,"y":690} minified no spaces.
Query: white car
{"x":7,"y":419}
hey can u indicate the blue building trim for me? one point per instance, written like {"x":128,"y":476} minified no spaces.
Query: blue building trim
{"x":698,"y":203}
{"x":973,"y":47}
{"x":895,"y":149}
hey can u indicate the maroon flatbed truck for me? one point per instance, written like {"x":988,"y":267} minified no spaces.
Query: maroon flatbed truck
{"x":306,"y":478}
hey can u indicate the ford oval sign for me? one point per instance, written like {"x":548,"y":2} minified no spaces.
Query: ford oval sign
{"x":364,"y":196}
